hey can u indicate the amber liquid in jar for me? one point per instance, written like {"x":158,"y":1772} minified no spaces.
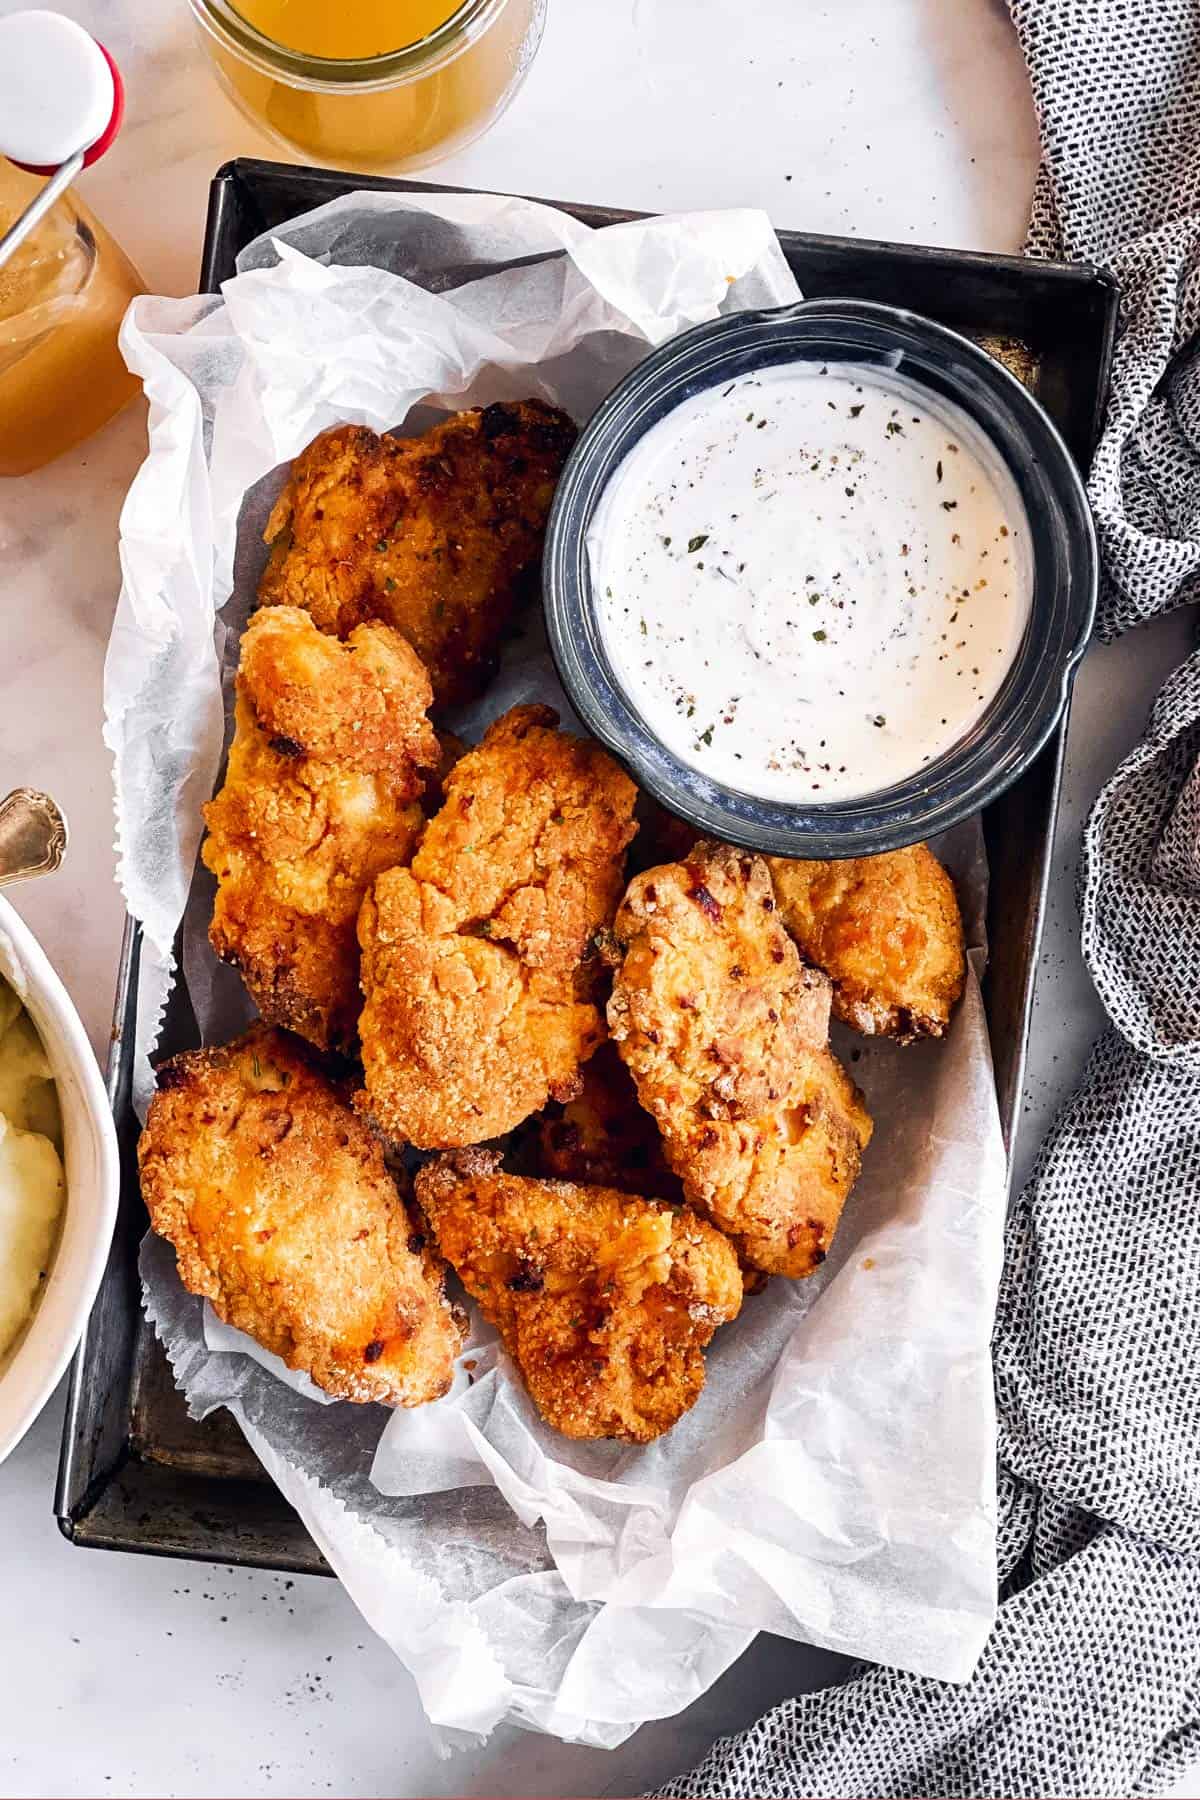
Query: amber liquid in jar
{"x":368,"y":84}
{"x":63,"y":295}
{"x":353,"y":29}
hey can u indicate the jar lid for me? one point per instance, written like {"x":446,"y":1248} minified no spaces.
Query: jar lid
{"x":60,"y":92}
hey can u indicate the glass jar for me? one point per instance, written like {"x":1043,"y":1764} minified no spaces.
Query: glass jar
{"x":63,"y":294}
{"x":394,"y":111}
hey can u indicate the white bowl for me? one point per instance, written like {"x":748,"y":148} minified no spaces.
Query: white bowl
{"x":32,"y":1370}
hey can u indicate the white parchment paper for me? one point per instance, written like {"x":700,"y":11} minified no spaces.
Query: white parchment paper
{"x":835,"y":1482}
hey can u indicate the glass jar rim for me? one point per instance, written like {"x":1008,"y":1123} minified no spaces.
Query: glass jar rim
{"x":329,"y":74}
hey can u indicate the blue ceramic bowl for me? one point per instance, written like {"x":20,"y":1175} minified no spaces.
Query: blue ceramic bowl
{"x":1031,"y":702}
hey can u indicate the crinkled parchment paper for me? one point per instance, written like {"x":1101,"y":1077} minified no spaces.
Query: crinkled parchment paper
{"x":835,"y":1482}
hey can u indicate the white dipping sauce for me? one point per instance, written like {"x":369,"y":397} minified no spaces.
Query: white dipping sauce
{"x":812,"y":582}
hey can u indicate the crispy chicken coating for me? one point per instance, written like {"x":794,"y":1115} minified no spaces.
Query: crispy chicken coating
{"x":725,"y":1032}
{"x":604,"y":1301}
{"x":283,"y":1215}
{"x":887,"y":930}
{"x":322,"y":791}
{"x":604,"y":1137}
{"x":476,"y":962}
{"x":440,"y":535}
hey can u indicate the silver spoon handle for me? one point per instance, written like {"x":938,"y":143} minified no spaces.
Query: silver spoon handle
{"x":40,"y":205}
{"x":33,"y":835}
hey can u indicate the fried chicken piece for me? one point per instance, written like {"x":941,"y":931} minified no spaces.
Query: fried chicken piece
{"x":440,"y":535}
{"x":887,"y":930}
{"x":476,"y":964}
{"x":283,"y":1215}
{"x":322,"y":791}
{"x":725,"y":1032}
{"x":604,"y":1301}
{"x":604,"y":1137}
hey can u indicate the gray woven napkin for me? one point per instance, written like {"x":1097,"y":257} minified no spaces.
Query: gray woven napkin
{"x":1090,"y":1684}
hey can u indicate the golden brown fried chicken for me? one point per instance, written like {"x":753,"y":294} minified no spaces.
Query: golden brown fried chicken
{"x":604,"y":1137}
{"x":604,"y":1301}
{"x":440,"y":535}
{"x":284,"y":1216}
{"x":322,"y":791}
{"x":887,"y":930}
{"x":725,"y":1032}
{"x":479,"y":1003}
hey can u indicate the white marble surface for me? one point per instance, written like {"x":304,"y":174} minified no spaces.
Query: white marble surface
{"x":888,"y":118}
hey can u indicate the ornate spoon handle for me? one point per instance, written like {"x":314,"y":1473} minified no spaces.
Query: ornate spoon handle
{"x":33,"y":835}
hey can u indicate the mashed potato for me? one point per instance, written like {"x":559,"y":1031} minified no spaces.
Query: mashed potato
{"x":32,"y":1187}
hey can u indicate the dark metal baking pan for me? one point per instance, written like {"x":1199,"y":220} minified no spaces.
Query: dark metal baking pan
{"x":136,"y":1473}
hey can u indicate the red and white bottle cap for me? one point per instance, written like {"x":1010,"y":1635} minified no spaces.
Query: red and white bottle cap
{"x":60,"y":92}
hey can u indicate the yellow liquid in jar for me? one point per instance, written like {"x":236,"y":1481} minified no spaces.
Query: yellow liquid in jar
{"x":390,"y":124}
{"x":352,"y":29}
{"x":63,"y":295}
